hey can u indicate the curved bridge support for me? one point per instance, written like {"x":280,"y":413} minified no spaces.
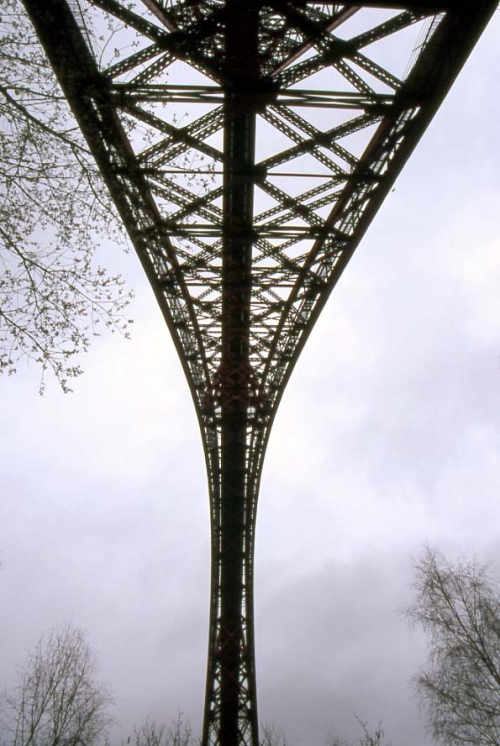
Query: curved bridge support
{"x":245,"y":211}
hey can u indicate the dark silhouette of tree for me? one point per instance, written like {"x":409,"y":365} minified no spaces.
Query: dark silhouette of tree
{"x":56,"y":699}
{"x":150,"y":733}
{"x":458,"y":605}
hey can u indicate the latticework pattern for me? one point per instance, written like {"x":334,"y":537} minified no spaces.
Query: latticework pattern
{"x":247,"y":146}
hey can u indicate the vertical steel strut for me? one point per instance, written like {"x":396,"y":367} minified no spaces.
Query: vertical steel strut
{"x":242,"y":254}
{"x":230,"y":700}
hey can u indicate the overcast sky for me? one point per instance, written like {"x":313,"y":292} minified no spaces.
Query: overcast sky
{"x":388,"y":436}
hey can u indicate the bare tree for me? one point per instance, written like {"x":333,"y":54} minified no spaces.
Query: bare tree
{"x":151,"y":733}
{"x":272,"y":736}
{"x":54,"y":211}
{"x":368,"y":737}
{"x":56,"y":700}
{"x":458,"y":606}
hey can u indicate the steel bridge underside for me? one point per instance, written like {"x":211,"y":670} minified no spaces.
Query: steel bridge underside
{"x":242,"y":268}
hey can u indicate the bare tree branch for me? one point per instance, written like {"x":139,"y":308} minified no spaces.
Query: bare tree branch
{"x":459,"y":608}
{"x":56,"y":700}
{"x":54,"y":211}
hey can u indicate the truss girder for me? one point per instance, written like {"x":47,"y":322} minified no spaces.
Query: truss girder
{"x":245,"y":210}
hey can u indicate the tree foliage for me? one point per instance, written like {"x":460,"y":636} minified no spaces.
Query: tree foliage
{"x":56,"y":700}
{"x":54,"y":210}
{"x":458,"y":605}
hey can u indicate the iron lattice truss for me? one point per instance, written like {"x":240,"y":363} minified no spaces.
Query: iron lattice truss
{"x":247,"y":146}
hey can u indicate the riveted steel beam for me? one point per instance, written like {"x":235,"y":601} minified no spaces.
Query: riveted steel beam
{"x":245,"y":210}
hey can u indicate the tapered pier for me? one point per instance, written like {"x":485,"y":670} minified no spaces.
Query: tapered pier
{"x":247,"y":146}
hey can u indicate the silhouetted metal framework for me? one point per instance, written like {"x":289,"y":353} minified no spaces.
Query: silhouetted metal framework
{"x":245,"y":212}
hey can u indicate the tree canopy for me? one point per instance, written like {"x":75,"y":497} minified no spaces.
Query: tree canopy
{"x":56,"y":699}
{"x":458,"y":605}
{"x":54,"y":212}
